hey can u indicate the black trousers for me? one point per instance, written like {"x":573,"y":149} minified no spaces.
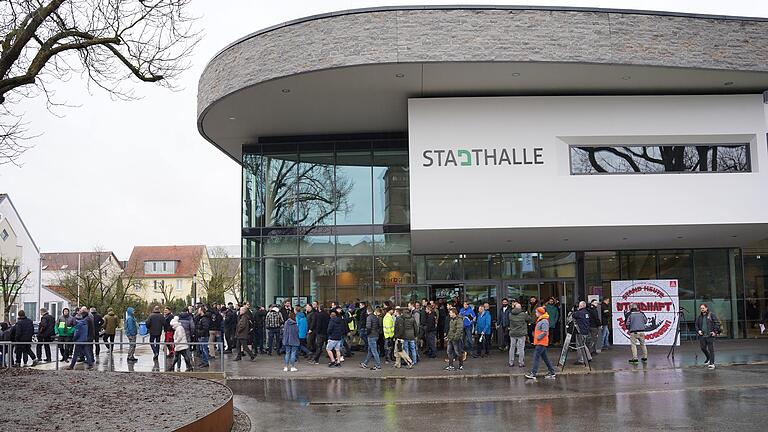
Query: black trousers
{"x":258,"y":339}
{"x":242,"y":345}
{"x":109,"y":338}
{"x":229,"y":336}
{"x":319,"y":342}
{"x":25,"y":351}
{"x":66,"y":350}
{"x":42,"y":342}
{"x":707,"y":344}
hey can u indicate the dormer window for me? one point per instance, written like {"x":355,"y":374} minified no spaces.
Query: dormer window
{"x":159,"y":267}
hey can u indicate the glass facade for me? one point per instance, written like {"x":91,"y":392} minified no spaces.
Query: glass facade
{"x":328,"y":219}
{"x":657,"y":159}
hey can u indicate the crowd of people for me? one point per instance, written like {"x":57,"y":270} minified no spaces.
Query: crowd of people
{"x":400,"y":336}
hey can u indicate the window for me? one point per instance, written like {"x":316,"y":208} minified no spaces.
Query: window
{"x":158,"y":285}
{"x":4,"y":235}
{"x":160,"y":267}
{"x":30,"y":309}
{"x":178,"y":284}
{"x":137,"y":286}
{"x":659,"y":159}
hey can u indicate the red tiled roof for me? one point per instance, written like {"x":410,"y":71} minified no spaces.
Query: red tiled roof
{"x":60,"y":290}
{"x":58,"y":260}
{"x":187,"y":258}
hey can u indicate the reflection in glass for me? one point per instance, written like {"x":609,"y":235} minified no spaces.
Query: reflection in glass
{"x":390,"y":271}
{"x":317,"y":192}
{"x":638,"y":265}
{"x":711,"y":269}
{"x":281,"y":278}
{"x":660,"y":158}
{"x":314,"y":245}
{"x":280,"y":245}
{"x":520,"y":266}
{"x":482,"y":266}
{"x":354,"y":176}
{"x":354,"y":278}
{"x":253,"y":191}
{"x":251,"y":248}
{"x":391,"y":199}
{"x":600,"y":268}
{"x":361,"y":244}
{"x":391,"y":244}
{"x":558,"y":265}
{"x":678,"y":265}
{"x":280,"y":171}
{"x":443,"y":267}
{"x":318,"y":279}
{"x":251,"y":276}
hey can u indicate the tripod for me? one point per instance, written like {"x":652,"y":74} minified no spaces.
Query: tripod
{"x":581,"y":346}
{"x":680,"y":316}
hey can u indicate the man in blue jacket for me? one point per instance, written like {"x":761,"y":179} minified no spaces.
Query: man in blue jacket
{"x":81,"y":335}
{"x":581,"y":320}
{"x":483,"y":330}
{"x":131,"y":330}
{"x":468,"y":315}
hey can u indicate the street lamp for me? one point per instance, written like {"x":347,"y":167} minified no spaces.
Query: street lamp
{"x":194,"y":289}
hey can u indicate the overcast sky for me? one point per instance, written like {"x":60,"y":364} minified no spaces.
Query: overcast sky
{"x":115,"y":174}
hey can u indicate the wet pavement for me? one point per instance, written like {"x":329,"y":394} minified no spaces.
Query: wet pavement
{"x":725,"y":399}
{"x":615,"y":359}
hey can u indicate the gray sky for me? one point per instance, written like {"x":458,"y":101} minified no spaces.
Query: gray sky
{"x":116,"y":174}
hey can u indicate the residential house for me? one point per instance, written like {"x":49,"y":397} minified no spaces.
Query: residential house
{"x":17,"y":246}
{"x":60,"y":266}
{"x":165,"y":273}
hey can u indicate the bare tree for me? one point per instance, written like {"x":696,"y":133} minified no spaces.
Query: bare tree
{"x":12,"y":281}
{"x":98,"y":286}
{"x":656,"y":159}
{"x":221,"y":276}
{"x":110,"y":42}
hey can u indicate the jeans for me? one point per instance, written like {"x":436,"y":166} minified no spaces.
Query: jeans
{"x":110,"y":338}
{"x":303,"y":346}
{"x":540,"y":353}
{"x":468,"y":338}
{"x":131,"y":346}
{"x":431,"y":344}
{"x":707,"y":344}
{"x":455,"y":351}
{"x":82,"y":350}
{"x":273,"y":339}
{"x":258,"y":339}
{"x":409,"y":346}
{"x":42,"y":343}
{"x":517,"y":344}
{"x":637,"y":338}
{"x":203,"y":349}
{"x":153,"y":339}
{"x":290,"y":355}
{"x":605,"y":337}
{"x":582,"y":341}
{"x":373,"y":352}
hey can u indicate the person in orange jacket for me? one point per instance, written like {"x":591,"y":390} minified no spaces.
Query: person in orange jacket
{"x":540,"y":342}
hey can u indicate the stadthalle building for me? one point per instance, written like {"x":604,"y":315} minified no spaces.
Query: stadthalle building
{"x":402,"y":153}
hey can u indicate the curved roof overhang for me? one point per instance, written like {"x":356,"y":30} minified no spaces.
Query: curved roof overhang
{"x":353,"y":71}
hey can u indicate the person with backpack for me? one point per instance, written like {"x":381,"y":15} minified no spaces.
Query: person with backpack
{"x":707,"y":327}
{"x":131,"y":330}
{"x":636,"y":322}
{"x":541,"y":342}
{"x":274,"y":322}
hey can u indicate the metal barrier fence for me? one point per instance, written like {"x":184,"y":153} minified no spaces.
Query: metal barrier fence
{"x":7,"y":352}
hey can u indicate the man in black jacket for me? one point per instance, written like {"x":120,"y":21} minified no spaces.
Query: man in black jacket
{"x":594,"y":327}
{"x":45,"y":333}
{"x":606,"y":318}
{"x":23,"y":331}
{"x":707,"y":327}
{"x":230,"y":326}
{"x":320,"y":329}
{"x":98,"y":323}
{"x":429,"y":324}
{"x":258,"y":329}
{"x":155,"y":325}
{"x":203,"y":328}
{"x":309,"y":311}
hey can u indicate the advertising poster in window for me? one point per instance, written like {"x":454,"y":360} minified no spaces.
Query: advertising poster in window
{"x":657,"y":299}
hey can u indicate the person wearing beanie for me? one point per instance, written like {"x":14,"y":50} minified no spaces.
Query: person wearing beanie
{"x":540,"y":342}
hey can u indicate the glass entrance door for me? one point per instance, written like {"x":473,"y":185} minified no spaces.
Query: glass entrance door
{"x":541,"y":291}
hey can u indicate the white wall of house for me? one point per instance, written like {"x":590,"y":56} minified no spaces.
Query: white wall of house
{"x":29,"y":254}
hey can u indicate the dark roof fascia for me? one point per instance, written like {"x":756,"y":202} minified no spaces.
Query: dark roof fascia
{"x":480,"y":7}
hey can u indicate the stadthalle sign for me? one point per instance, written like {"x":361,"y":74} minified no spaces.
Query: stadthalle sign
{"x":483,"y":157}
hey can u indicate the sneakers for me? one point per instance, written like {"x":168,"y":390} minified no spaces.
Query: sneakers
{"x":293,"y":369}
{"x":376,"y":368}
{"x":461,"y":367}
{"x":238,"y":358}
{"x":363,"y":365}
{"x":522,"y":365}
{"x":285,"y":369}
{"x":550,"y":376}
{"x":644,"y":359}
{"x":633,"y":361}
{"x":341,"y":359}
{"x":711,"y":366}
{"x":450,"y":368}
{"x":530,"y":376}
{"x":331,"y":364}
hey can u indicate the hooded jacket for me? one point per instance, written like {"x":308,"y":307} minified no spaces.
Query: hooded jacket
{"x":518,"y":322}
{"x":301,"y":321}
{"x":635,"y":321}
{"x":273,"y":319}
{"x":186,"y":321}
{"x":554,"y":314}
{"x":81,"y":331}
{"x":131,"y":329}
{"x":243,"y":327}
{"x":65,"y":325}
{"x":25,"y":329}
{"x":230,"y":320}
{"x":336,"y":328}
{"x":291,"y":333}
{"x":322,"y":321}
{"x":110,"y":323}
{"x":541,"y":331}
{"x":405,"y":327}
{"x":455,"y":329}
{"x":372,"y":326}
{"x":581,"y":318}
{"x":179,"y":335}
{"x":46,"y":330}
{"x":203,"y":326}
{"x":155,"y":323}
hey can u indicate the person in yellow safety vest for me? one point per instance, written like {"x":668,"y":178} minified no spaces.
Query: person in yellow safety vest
{"x":389,"y":335}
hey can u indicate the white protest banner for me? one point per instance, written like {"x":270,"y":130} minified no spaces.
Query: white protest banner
{"x":657,"y":299}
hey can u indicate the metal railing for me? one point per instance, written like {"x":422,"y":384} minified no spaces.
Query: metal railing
{"x":7,"y":352}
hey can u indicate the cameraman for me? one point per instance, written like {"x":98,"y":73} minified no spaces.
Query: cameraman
{"x":635,"y":322}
